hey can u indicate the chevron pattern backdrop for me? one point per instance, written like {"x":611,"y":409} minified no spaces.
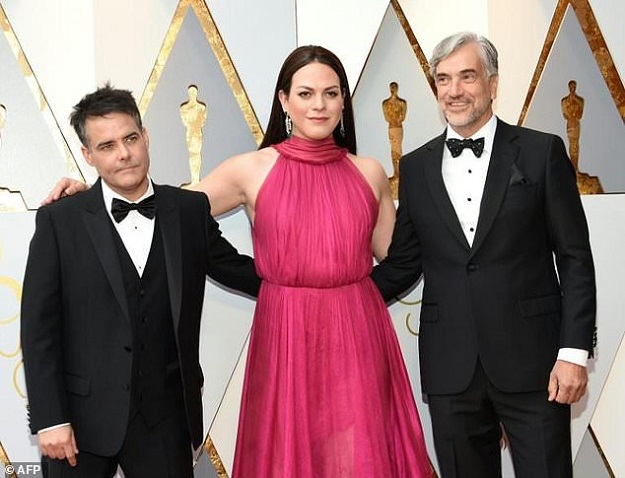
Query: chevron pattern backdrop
{"x":51,"y":53}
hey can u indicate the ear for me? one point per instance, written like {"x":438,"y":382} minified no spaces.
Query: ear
{"x":146,"y":137}
{"x":493,"y":82}
{"x":284,"y":99}
{"x":86,"y":154}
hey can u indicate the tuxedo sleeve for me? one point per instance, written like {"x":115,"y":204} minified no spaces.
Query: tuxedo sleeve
{"x":402,"y":266}
{"x":225,"y":264}
{"x":42,"y":328}
{"x":570,"y":242}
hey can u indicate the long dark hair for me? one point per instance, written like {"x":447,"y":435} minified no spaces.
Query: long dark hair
{"x":297,"y":59}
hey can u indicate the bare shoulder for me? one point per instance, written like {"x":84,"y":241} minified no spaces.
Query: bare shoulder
{"x":371,"y":169}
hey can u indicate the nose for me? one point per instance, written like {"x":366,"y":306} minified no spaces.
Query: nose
{"x":123,"y":151}
{"x":455,"y":87}
{"x":319,"y":102}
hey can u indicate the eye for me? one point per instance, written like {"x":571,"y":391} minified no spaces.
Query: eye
{"x":132,"y":138}
{"x":469,"y":77}
{"x":304,"y":94}
{"x":105,"y":147}
{"x":332,"y":93}
{"x":442,"y":80}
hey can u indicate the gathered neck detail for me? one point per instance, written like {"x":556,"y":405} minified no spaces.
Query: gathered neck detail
{"x":311,"y":151}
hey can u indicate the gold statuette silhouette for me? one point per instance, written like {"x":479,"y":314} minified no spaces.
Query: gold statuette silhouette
{"x":572,"y":110}
{"x":193,"y":114}
{"x":394,"y":109}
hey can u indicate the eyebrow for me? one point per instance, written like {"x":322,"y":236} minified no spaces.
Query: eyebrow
{"x":111,"y":141}
{"x":466,"y":70}
{"x":310,"y":88}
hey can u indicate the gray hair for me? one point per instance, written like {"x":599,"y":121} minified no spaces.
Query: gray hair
{"x":449,"y":45}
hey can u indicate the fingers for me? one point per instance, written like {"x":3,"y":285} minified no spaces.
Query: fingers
{"x":567,"y":382}
{"x":552,"y":388}
{"x":64,"y":187}
{"x":59,"y":444}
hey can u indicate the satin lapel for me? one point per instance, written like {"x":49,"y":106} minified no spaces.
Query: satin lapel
{"x":98,"y":224}
{"x":168,"y":220}
{"x":503,"y":156}
{"x":434,"y":179}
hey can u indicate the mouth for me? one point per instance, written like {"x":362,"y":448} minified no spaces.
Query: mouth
{"x":457,"y":104}
{"x":318,"y":119}
{"x":127,"y":168}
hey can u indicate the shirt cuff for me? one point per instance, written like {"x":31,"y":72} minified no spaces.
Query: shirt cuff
{"x":53,"y":427}
{"x":576,"y":356}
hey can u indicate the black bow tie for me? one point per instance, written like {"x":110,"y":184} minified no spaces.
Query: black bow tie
{"x":457,"y":145}
{"x":120,"y":209}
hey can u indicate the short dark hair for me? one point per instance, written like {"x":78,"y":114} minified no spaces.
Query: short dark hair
{"x":299,"y":58}
{"x":103,"y":101}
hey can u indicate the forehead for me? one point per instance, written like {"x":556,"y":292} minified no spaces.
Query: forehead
{"x":314,"y":73}
{"x":467,"y":57}
{"x":110,"y":125}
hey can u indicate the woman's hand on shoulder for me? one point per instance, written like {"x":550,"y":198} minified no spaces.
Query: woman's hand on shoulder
{"x":64,"y":187}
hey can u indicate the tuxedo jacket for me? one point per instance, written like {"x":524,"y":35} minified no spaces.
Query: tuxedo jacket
{"x":76,"y":330}
{"x":526,"y":286}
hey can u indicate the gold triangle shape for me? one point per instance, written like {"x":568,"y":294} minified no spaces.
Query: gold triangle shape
{"x":597,"y":44}
{"x":221,"y":53}
{"x":40,"y":99}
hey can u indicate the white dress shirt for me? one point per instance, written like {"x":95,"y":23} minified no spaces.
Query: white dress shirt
{"x":464,"y":177}
{"x":135,"y":230}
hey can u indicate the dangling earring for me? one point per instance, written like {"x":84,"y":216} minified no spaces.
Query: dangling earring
{"x":342,"y":127}
{"x":288,"y":124}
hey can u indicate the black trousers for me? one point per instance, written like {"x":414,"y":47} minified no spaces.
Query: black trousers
{"x":467,"y":432}
{"x":161,"y":451}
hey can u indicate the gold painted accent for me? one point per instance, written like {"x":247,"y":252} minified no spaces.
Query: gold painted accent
{"x":214,"y":457}
{"x":410,"y":329}
{"x":16,"y":385}
{"x":221,"y":53}
{"x":5,"y":462}
{"x":39,"y":97}
{"x":597,"y":44}
{"x":193,"y":115}
{"x":606,"y":463}
{"x":423,"y":61}
{"x":395,"y":109}
{"x":15,"y":287}
{"x":407,"y":302}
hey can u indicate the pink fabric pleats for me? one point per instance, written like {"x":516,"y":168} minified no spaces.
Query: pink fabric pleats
{"x":326,"y":393}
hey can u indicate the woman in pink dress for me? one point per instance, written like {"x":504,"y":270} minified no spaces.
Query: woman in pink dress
{"x":326,"y":393}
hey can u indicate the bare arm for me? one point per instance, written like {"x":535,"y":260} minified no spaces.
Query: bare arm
{"x":383,"y":231}
{"x":225,"y":185}
{"x":236,"y":181}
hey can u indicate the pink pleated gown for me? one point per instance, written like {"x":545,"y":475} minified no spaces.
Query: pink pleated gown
{"x":326,"y":393}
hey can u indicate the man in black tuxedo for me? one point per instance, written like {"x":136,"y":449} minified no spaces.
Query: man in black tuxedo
{"x":111,"y":308}
{"x":489,"y":213}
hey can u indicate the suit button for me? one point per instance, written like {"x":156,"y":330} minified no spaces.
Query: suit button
{"x":126,"y":387}
{"x":472,"y":267}
{"x":127,"y":348}
{"x":144,"y":320}
{"x":141,"y":292}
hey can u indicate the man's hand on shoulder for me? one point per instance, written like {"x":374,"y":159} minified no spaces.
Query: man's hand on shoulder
{"x":64,"y":187}
{"x":59,"y":444}
{"x":567,"y":382}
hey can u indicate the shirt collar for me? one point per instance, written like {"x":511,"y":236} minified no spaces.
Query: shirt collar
{"x":108,"y":194}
